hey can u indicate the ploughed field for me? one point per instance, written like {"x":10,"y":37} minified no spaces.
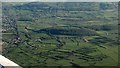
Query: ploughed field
{"x":61,"y":34}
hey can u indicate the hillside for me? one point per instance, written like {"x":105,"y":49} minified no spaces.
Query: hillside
{"x":61,"y":34}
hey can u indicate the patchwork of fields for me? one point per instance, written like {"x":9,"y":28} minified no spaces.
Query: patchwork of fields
{"x":61,"y":34}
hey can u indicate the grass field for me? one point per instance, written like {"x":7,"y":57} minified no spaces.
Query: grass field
{"x":61,"y":34}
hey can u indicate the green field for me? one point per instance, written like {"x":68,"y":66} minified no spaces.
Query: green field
{"x":61,"y":34}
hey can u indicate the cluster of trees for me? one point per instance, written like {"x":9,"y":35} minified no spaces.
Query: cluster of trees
{"x":104,"y":6}
{"x":103,"y":27}
{"x":25,"y":18}
{"x":69,"y":31}
{"x":101,"y":40}
{"x":67,"y":6}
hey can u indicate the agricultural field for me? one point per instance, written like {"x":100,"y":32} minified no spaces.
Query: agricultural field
{"x":61,"y":34}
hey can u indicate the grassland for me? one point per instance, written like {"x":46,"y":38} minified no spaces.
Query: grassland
{"x":61,"y":34}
